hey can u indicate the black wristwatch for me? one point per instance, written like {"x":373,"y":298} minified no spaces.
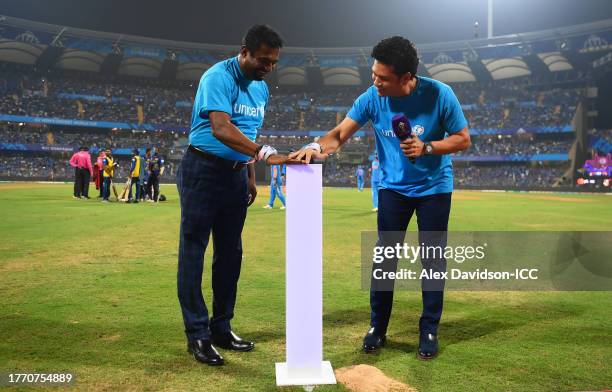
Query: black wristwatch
{"x":427,"y":149}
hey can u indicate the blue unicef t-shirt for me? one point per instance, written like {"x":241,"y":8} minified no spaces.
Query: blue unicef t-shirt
{"x":434,"y":112}
{"x":224,"y":88}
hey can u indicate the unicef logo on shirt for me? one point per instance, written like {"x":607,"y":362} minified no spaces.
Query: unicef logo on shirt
{"x":250,"y":111}
{"x":417,"y":130}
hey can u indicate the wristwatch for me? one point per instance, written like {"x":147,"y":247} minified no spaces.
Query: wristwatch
{"x":427,"y":149}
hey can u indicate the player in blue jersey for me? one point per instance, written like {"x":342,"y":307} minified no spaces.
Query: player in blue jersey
{"x":424,"y":187}
{"x":276,"y":184}
{"x":360,"y":174}
{"x":216,"y":184}
{"x":375,"y":181}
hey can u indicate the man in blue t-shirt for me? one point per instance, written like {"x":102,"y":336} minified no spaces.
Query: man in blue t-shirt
{"x":375,"y":181}
{"x":216,"y":184}
{"x":439,"y":128}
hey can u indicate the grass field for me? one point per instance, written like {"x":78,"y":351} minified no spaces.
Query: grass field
{"x":90,"y":288}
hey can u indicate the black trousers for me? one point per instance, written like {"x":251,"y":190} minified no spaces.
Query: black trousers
{"x":135,"y":182}
{"x":394,"y":213}
{"x":77,"y":183}
{"x":81,"y":182}
{"x":213,"y":199}
{"x":153,"y":187}
{"x":143,"y":188}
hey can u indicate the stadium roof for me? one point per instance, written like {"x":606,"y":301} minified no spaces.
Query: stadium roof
{"x":47,"y":46}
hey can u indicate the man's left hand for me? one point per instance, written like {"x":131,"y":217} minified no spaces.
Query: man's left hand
{"x":413,"y":147}
{"x":279,"y":159}
{"x":252,"y":191}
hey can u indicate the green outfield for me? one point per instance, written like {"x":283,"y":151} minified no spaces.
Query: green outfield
{"x":90,"y":288}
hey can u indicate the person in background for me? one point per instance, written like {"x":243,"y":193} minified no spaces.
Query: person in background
{"x":359,"y":173}
{"x":100,"y":168}
{"x":375,"y":181}
{"x":156,"y":170}
{"x":276,"y":183}
{"x":135,"y":170}
{"x":81,"y":161}
{"x":108,"y":174}
{"x":145,"y":191}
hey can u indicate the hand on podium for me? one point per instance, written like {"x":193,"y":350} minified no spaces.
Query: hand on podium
{"x":279,"y":159}
{"x":270,"y":156}
{"x":308,"y":153}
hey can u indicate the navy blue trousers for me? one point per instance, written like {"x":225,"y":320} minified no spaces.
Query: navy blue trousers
{"x":394,"y":213}
{"x":106,"y":185}
{"x":213,"y":199}
{"x":135,"y":182}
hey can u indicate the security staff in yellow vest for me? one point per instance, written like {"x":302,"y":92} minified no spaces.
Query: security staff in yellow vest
{"x":135,"y":170}
{"x":108,"y":174}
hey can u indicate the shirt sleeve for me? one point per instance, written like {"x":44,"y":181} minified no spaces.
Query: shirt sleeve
{"x":360,"y":111}
{"x":215,"y":94}
{"x":453,"y":119}
{"x":267,"y":98}
{"x":73,"y":160}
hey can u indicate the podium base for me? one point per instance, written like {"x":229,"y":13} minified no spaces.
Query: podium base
{"x":309,"y":378}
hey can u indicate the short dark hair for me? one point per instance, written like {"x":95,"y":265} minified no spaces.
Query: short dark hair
{"x":261,"y":34}
{"x":399,"y":53}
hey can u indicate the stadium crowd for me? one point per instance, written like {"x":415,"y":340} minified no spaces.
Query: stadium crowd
{"x":503,"y":104}
{"x":509,"y":104}
{"x":100,"y":138}
{"x":508,"y":176}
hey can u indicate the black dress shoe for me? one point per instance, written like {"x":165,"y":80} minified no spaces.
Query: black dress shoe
{"x":231,"y":341}
{"x":204,"y":352}
{"x":373,"y":340}
{"x":428,"y":346}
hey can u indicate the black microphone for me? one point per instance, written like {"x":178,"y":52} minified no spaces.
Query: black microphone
{"x":402,"y":129}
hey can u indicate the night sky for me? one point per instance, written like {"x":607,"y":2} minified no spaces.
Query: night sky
{"x":312,"y":23}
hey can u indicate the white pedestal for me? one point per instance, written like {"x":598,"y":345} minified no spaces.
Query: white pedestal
{"x":285,"y":377}
{"x":304,"y":281}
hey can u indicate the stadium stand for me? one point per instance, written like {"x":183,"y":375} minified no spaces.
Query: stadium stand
{"x":522,"y":116}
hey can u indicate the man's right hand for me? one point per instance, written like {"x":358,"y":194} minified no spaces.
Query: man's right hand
{"x":307,"y":155}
